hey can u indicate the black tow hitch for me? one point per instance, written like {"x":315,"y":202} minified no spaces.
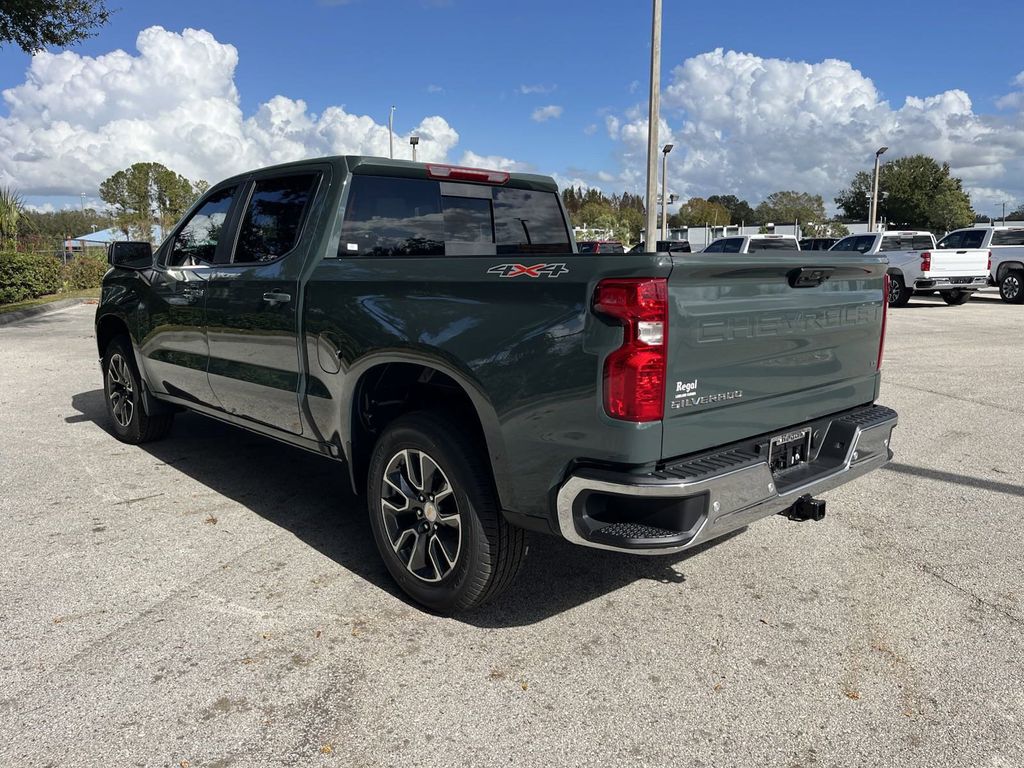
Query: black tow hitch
{"x":806,"y":508}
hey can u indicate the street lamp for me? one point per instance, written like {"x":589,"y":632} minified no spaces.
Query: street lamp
{"x":414,"y":140}
{"x":391,"y":132}
{"x":873,"y":211}
{"x":652,"y":127}
{"x":664,"y":189}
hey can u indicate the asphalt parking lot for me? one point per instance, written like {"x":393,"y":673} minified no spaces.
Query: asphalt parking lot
{"x":215,"y":599}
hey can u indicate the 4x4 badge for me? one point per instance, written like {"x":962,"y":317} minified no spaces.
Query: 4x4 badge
{"x":537,"y":270}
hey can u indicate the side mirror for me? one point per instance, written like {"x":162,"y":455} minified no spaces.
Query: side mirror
{"x":128,"y":255}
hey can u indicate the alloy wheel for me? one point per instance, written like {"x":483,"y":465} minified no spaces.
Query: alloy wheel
{"x":895,"y":288}
{"x":1011,"y":287}
{"x":120,"y":390}
{"x":421,"y":515}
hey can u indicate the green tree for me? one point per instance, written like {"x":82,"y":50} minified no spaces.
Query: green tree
{"x":1017,"y":215}
{"x":915,"y":192}
{"x":12,"y":211}
{"x":787,"y":207}
{"x":832,"y":228}
{"x":35,"y":24}
{"x":696,"y":212}
{"x":740,"y":211}
{"x":146,"y":194}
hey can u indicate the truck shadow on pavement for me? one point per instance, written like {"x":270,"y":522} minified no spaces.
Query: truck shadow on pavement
{"x":310,"y":496}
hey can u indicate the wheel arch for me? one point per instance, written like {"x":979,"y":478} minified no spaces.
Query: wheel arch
{"x":108,"y":328}
{"x":1008,"y":266}
{"x":388,"y":386}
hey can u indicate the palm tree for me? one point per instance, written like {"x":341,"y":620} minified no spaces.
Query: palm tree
{"x":12,"y":208}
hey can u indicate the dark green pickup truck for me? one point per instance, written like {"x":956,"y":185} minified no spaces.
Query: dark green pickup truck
{"x":434,"y":328}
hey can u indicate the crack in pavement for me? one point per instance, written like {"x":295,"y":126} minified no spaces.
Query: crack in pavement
{"x":982,"y":601}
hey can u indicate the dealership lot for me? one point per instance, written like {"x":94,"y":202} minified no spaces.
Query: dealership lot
{"x":215,"y":599}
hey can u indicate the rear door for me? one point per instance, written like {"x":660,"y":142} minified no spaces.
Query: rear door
{"x":750,"y":353}
{"x":253,"y":300}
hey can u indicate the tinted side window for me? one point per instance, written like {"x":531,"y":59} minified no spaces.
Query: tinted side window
{"x":732,"y":245}
{"x":388,"y":217}
{"x":952,"y":240}
{"x":611,"y":248}
{"x":846,"y":244}
{"x":1008,"y":237}
{"x":196,"y":242}
{"x":973,"y":238}
{"x":891,"y":243}
{"x":715,"y":247}
{"x":864,"y":243}
{"x":922,"y":243}
{"x":528,"y":221}
{"x":273,"y":218}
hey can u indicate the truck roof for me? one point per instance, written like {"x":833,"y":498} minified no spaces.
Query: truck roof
{"x":383,"y":166}
{"x":907,"y":232}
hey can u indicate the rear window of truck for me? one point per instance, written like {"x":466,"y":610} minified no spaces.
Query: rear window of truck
{"x":389,"y":217}
{"x":771,"y":245}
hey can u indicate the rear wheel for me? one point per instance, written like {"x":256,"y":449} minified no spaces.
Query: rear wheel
{"x":899,"y":294}
{"x":956,"y":297}
{"x":1011,"y":287}
{"x":122,"y":387}
{"x":435,"y":515}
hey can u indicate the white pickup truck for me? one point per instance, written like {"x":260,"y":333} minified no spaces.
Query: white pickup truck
{"x":917,"y":264}
{"x":753,"y":243}
{"x":1006,"y":246}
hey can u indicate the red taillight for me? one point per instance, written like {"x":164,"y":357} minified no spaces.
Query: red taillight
{"x":885,"y":317}
{"x":634,"y":374}
{"x":989,"y":267}
{"x":479,"y":175}
{"x":926,"y":261}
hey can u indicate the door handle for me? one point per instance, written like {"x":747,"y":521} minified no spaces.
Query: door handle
{"x":273,"y":298}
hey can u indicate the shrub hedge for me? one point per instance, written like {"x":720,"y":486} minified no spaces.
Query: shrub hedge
{"x":26,"y":276}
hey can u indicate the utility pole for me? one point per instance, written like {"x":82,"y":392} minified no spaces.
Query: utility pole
{"x":1004,"y":212}
{"x":873,"y":210}
{"x":652,"y":128}
{"x":391,"y":133}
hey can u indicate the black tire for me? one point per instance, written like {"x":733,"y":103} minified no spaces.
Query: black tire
{"x":1011,"y":287}
{"x":956,"y":297}
{"x":899,"y":294}
{"x":410,"y":506}
{"x":122,"y":389}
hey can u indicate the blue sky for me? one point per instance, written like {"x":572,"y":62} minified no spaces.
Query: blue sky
{"x":470,"y":63}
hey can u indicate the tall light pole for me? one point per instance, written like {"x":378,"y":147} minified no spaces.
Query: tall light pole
{"x":391,"y":132}
{"x":652,"y":127}
{"x":1004,"y":212}
{"x":414,"y":140}
{"x":873,"y":211}
{"x":664,"y":189}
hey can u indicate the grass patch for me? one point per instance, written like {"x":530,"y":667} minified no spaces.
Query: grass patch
{"x":88,"y":293}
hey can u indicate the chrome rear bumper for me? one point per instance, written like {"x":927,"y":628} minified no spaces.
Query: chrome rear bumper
{"x":743,"y":490}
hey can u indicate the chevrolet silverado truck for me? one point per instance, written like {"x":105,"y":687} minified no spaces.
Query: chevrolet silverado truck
{"x":1006,"y":249}
{"x":917,"y":264}
{"x":433,"y":329}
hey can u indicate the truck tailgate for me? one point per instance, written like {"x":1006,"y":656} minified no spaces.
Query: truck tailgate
{"x":756,"y":344}
{"x":958,"y":263}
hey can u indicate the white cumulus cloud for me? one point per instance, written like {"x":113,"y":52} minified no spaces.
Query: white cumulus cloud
{"x":543,"y":114}
{"x":749,"y":125}
{"x":77,"y":119}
